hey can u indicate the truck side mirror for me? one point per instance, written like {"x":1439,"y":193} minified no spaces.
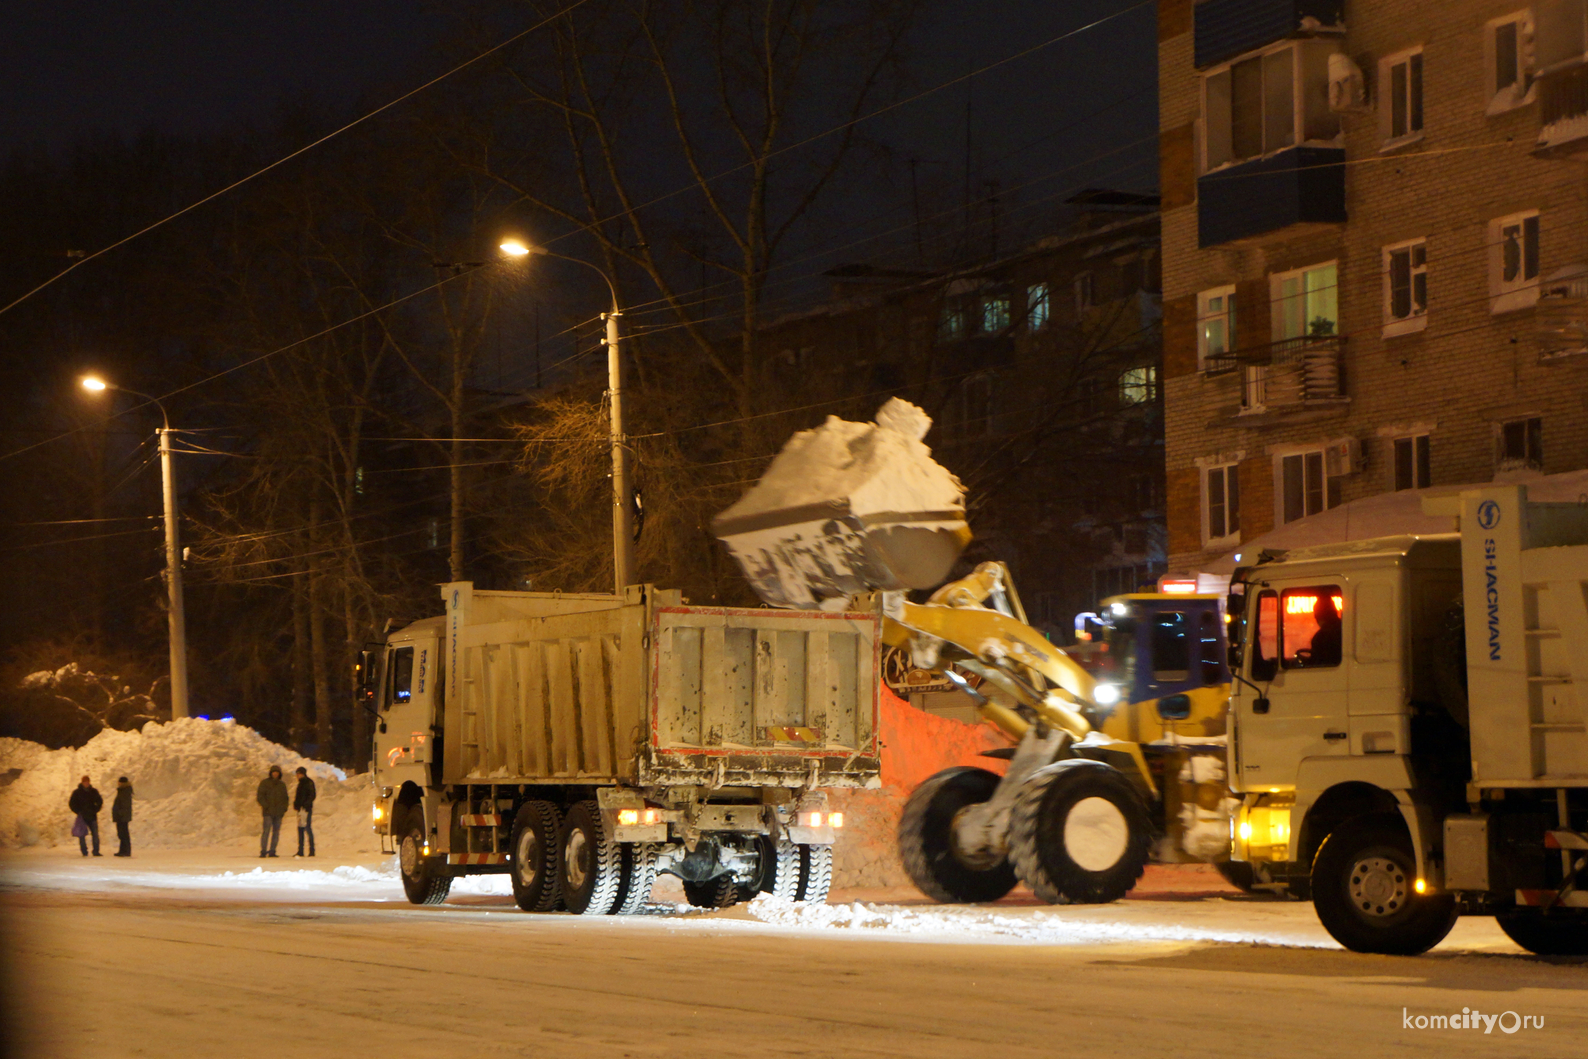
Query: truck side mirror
{"x":1234,"y":604}
{"x":1260,"y":704}
{"x":1174,"y":707}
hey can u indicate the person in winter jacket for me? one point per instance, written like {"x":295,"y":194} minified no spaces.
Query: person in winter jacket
{"x":86,"y":803}
{"x":121,"y":813}
{"x":272,"y":798}
{"x":303,"y":802}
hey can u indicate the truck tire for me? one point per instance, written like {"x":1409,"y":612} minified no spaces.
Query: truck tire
{"x":534,"y":851}
{"x":928,"y":848}
{"x":780,"y":864}
{"x":721,"y":892}
{"x":589,"y":863}
{"x":1363,"y":890}
{"x":816,"y":874}
{"x":1078,"y":832}
{"x":639,"y":875}
{"x":423,"y":880}
{"x":1547,"y":935}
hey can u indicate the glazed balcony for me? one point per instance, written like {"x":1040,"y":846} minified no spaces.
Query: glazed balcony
{"x":1560,"y":321}
{"x":1227,"y":28}
{"x":1303,"y":185}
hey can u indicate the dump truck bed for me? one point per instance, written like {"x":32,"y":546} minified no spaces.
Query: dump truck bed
{"x":643,"y":690}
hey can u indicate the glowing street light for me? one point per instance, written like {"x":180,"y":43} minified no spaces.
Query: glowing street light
{"x":173,"y":551}
{"x":622,"y":515}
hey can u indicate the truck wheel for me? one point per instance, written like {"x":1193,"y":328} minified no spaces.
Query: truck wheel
{"x":423,"y":881}
{"x":1363,"y":890}
{"x":590,"y":864}
{"x":929,"y":850}
{"x":1078,"y":832}
{"x":534,"y":846}
{"x":721,"y":892}
{"x":1552,"y":935}
{"x":639,"y":875}
{"x":780,"y":862}
{"x":816,"y":874}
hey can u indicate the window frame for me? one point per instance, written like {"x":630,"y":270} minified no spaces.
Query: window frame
{"x":1304,"y":453}
{"x":1226,"y":292}
{"x":1522,"y":293}
{"x":996,"y":309}
{"x":1532,"y":458}
{"x":1305,"y":55}
{"x":1039,"y":306}
{"x":1416,"y":100}
{"x":1419,"y":464}
{"x":1417,"y":318}
{"x":1524,"y":89}
{"x":1227,"y":473}
{"x":1148,"y":385}
{"x":1277,"y":300}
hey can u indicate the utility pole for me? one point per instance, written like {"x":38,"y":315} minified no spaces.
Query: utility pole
{"x":175,"y":614}
{"x":622,"y":516}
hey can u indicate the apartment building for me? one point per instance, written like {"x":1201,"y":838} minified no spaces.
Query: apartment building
{"x":1040,"y":369}
{"x":1375,"y":262}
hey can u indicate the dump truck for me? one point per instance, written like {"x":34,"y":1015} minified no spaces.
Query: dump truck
{"x":584,"y":743}
{"x":1409,"y":739}
{"x":1102,"y":772}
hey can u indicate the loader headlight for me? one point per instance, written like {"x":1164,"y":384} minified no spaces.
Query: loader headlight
{"x":377,"y":814}
{"x":1246,"y":831}
{"x":1105,"y":694}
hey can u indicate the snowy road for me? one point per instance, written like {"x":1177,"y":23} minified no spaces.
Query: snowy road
{"x":191,"y":955}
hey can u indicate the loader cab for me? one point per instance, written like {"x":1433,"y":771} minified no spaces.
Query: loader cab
{"x":1167,"y":657}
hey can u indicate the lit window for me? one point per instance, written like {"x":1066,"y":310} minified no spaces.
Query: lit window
{"x":1306,"y":302}
{"x":1513,"y":261}
{"x":1400,"y":101}
{"x":1215,"y":324}
{"x":1405,"y":287}
{"x":1037,"y":306}
{"x":1138,"y":385}
{"x":1508,"y":47}
{"x":951,"y":325}
{"x":1412,"y":465}
{"x":994,"y":315}
{"x":1310,"y":626}
{"x":1221,"y":503}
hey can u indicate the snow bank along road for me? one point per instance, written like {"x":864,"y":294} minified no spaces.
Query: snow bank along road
{"x":203,"y":954}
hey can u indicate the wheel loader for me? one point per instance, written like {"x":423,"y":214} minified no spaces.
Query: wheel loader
{"x":1105,"y":769}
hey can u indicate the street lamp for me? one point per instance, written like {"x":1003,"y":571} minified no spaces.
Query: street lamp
{"x":173,"y":550}
{"x":622,"y":516}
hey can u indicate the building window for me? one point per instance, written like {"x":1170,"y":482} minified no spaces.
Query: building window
{"x":1138,"y":385}
{"x":1256,"y":105}
{"x":1037,"y":306}
{"x":1522,"y":445}
{"x":951,"y":325}
{"x":995,"y":314}
{"x":1405,"y":287}
{"x":1412,"y":466}
{"x":1083,"y":293}
{"x":1303,"y":487}
{"x":1508,"y":48}
{"x":1221,"y":504}
{"x":1306,"y":302}
{"x":1400,"y":103}
{"x":1513,"y":262}
{"x":1215,"y":324}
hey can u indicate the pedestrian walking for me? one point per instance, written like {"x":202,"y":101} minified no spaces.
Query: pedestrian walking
{"x":86,"y":803}
{"x":121,"y":813}
{"x":303,"y":802}
{"x":272,"y":798}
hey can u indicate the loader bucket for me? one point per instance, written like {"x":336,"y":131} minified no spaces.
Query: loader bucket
{"x":849,"y":508}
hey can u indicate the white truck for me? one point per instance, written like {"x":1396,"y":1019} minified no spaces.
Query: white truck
{"x":1407,"y":734}
{"x":583,"y":743}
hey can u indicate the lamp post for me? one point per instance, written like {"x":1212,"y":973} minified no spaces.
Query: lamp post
{"x":622,"y":516}
{"x":173,"y":550}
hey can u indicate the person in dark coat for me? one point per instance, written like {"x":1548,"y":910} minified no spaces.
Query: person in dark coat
{"x":86,"y":803}
{"x":272,"y":798}
{"x":303,"y":802}
{"x":121,"y":813}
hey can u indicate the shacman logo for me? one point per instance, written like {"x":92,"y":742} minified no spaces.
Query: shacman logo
{"x":1491,"y":597}
{"x":1472,"y":1019}
{"x":1488,"y":514}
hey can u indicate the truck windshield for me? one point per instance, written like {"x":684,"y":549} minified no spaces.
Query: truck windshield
{"x":402,"y":676}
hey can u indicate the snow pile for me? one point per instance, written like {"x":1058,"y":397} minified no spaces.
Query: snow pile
{"x":1205,"y":824}
{"x":193,"y":784}
{"x":872,"y":467}
{"x":977,"y":923}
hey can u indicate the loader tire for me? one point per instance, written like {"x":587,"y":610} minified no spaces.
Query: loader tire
{"x":816,"y":874}
{"x":589,"y":863}
{"x":928,"y":848}
{"x":424,"y":880}
{"x":1079,"y":833}
{"x":534,"y":852}
{"x":639,"y":875}
{"x":1558,"y":934}
{"x":780,"y":862}
{"x":721,"y":892}
{"x":1363,"y":892}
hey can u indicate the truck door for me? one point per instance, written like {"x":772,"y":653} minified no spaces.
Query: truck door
{"x":404,"y":740}
{"x":1296,"y":657}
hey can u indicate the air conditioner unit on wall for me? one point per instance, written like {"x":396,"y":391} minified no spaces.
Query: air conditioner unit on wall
{"x":1342,"y":457}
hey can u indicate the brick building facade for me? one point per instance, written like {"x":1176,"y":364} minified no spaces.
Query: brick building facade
{"x":1375,"y":271}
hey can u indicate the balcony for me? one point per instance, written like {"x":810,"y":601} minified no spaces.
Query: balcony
{"x":1563,"y":113}
{"x":1299,"y":186}
{"x":1227,"y":28}
{"x":1289,"y":379}
{"x":1560,"y":321}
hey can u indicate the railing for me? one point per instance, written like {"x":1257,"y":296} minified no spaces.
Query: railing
{"x":1562,"y":106}
{"x":1289,"y":373}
